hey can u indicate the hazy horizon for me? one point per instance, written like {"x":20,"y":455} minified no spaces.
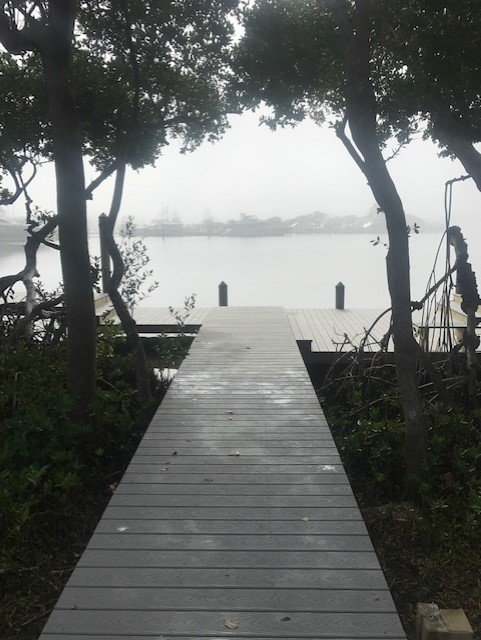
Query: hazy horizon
{"x":286,"y":173}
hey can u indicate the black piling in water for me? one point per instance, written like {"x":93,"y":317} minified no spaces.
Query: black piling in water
{"x":223,"y":294}
{"x":339,"y":295}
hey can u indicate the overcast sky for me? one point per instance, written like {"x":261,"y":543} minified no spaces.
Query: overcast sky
{"x":287,"y":172}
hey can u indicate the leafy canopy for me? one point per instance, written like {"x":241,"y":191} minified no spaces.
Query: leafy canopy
{"x":142,"y":72}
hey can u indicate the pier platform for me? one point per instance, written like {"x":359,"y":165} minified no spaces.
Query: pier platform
{"x":322,"y":331}
{"x":235,"y":518}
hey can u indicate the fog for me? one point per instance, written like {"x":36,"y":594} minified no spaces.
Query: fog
{"x":287,"y":172}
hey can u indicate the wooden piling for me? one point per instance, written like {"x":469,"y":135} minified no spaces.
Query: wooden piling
{"x":340,"y":289}
{"x":223,"y":301}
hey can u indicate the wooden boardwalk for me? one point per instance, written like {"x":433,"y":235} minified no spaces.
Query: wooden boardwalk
{"x":235,"y":518}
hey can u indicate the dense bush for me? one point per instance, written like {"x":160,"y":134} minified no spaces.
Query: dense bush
{"x":56,"y":473}
{"x":368,"y":428}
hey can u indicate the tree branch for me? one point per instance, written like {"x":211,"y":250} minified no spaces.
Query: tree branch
{"x":340,"y":129}
{"x":103,"y":175}
{"x":31,"y":247}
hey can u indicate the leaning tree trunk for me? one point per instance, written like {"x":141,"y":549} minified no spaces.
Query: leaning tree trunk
{"x":461,"y":147}
{"x":361,"y":112}
{"x":71,"y":209}
{"x":398,"y":270}
{"x":141,"y":366}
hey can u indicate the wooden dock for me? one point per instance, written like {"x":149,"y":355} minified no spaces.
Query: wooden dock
{"x":324,"y":328}
{"x":235,"y":518}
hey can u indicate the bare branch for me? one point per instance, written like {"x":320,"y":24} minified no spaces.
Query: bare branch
{"x":340,"y":129}
{"x":16,"y":41}
{"x":398,"y":149}
{"x":31,"y":247}
{"x":419,"y":305}
{"x":37,"y":311}
{"x":103,"y":175}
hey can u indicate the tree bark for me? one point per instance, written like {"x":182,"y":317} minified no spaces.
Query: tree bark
{"x":31,"y":246}
{"x":30,"y":299}
{"x":141,"y":366}
{"x":71,"y":206}
{"x":361,"y":112}
{"x":461,"y":146}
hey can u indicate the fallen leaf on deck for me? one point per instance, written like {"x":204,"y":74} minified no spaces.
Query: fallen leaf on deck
{"x":230,"y":413}
{"x":230,"y":625}
{"x":286,"y":619}
{"x":174,"y":453}
{"x":305,"y":519}
{"x":112,"y":487}
{"x":234,"y":453}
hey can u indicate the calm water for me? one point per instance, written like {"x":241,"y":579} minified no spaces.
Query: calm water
{"x":294,"y":271}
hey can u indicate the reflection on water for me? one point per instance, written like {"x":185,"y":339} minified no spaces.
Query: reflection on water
{"x":291,"y":271}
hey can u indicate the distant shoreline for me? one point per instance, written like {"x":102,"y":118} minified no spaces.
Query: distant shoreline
{"x":139,"y":234}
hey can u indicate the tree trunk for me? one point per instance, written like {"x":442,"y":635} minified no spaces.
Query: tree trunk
{"x":361,"y":112}
{"x":462,"y":147}
{"x":71,"y":209}
{"x":398,"y":275}
{"x":141,"y":366}
{"x":30,"y":299}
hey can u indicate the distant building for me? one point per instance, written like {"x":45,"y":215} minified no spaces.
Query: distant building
{"x":251,"y":226}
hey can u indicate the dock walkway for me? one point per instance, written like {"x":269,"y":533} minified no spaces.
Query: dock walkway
{"x":235,"y":518}
{"x":324,"y":328}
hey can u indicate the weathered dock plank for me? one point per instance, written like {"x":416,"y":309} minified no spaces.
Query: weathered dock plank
{"x":323,"y":326}
{"x":234,"y":508}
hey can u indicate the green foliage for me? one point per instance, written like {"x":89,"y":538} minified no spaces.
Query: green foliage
{"x":431,"y":64}
{"x":55,"y":472}
{"x":180,"y":316}
{"x":424,"y":65}
{"x":23,"y":111}
{"x":290,"y":59}
{"x":46,"y":457}
{"x":142,"y":72}
{"x":369,"y":431}
{"x":136,"y":272}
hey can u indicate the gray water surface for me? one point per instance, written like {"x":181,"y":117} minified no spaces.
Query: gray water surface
{"x":290,"y":271}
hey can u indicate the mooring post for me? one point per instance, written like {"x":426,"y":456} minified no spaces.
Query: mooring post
{"x":223,"y":294}
{"x":339,"y":295}
{"x":104,"y":254}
